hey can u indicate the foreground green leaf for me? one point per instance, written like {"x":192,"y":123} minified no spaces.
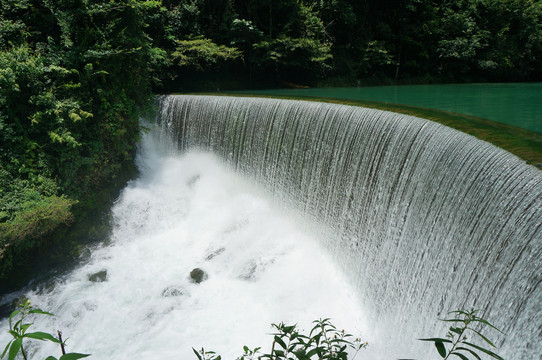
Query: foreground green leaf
{"x":38,"y":335}
{"x":463,"y":357}
{"x":73,"y":356}
{"x":490,"y":353}
{"x":440,"y":348}
{"x":14,"y":349}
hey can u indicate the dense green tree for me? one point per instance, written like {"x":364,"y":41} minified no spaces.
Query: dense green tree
{"x":399,"y":40}
{"x":493,"y":40}
{"x":513,"y":37}
{"x":200,"y":53}
{"x":72,"y":76}
{"x":302,"y":51}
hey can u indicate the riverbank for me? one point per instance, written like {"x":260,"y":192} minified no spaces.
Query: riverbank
{"x":37,"y":257}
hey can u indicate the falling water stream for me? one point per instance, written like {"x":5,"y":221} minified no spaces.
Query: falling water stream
{"x":134,"y":298}
{"x":297,"y":211}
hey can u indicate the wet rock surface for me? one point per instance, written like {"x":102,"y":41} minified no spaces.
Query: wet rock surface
{"x":99,"y":276}
{"x":198,"y":275}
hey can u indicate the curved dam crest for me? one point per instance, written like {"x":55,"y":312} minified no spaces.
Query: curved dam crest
{"x":423,"y":219}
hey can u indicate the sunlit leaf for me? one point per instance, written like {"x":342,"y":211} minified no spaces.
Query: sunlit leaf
{"x":73,"y":356}
{"x":25,"y":327}
{"x":42,"y":336}
{"x":14,"y":348}
{"x":13,"y":314}
{"x":6,"y":349}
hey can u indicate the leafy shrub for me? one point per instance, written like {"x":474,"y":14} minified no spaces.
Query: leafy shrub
{"x":324,"y":341}
{"x":19,"y":332}
{"x":455,"y":343}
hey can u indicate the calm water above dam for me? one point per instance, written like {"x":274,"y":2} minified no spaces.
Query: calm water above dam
{"x":517,"y":104}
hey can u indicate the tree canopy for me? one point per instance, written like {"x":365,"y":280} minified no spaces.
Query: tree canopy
{"x":367,"y":41}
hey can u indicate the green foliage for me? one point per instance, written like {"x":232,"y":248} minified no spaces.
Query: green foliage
{"x":324,"y":341}
{"x":202,"y":354}
{"x":244,"y":32}
{"x":288,"y":54}
{"x":200,"y":53}
{"x":74,"y":78}
{"x":35,"y":218}
{"x":463,"y":325}
{"x":19,"y":331}
{"x":309,"y":40}
{"x":499,"y":38}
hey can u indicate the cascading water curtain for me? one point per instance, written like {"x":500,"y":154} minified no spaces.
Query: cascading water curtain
{"x":425,"y":219}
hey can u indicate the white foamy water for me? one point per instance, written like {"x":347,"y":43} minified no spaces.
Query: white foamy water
{"x":184,"y":212}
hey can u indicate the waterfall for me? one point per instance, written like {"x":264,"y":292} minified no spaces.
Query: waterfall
{"x":423,"y":219}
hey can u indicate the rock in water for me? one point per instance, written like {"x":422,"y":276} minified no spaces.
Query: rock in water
{"x":197,"y":275}
{"x":100,"y":276}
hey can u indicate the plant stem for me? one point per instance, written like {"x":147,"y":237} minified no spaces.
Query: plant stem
{"x":61,"y":342}
{"x":272,"y":349}
{"x":456,"y":342}
{"x":22,"y":351}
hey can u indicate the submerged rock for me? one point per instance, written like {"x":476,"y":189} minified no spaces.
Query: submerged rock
{"x":171,"y":291}
{"x":100,"y":276}
{"x":197,"y":275}
{"x":215,"y":253}
{"x":250,"y":272}
{"x":193,"y":180}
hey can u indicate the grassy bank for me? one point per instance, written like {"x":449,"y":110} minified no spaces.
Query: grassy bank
{"x":525,"y":144}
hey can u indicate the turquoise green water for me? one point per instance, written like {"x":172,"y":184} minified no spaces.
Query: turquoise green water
{"x":518,"y":104}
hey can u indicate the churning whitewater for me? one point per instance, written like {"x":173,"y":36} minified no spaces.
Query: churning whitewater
{"x":134,"y":299}
{"x":423,"y":219}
